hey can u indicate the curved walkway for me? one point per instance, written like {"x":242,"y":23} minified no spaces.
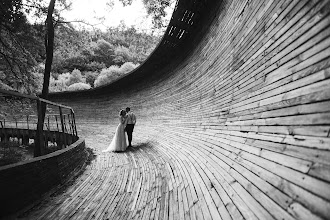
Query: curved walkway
{"x":147,"y":181}
{"x":175,"y":175}
{"x":236,"y":126}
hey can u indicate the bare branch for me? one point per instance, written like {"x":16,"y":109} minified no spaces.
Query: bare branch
{"x":80,"y":21}
{"x":8,"y":62}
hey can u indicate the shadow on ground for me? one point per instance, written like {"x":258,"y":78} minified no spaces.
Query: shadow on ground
{"x":91,"y":155}
{"x":139,"y":146}
{"x":134,"y":148}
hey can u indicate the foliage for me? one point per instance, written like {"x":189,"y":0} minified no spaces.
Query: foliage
{"x":91,"y":77}
{"x":20,"y":46}
{"x":157,"y":9}
{"x":5,"y":86}
{"x":16,"y":107}
{"x":128,"y":67}
{"x":79,"y":86}
{"x":103,"y":52}
{"x":95,"y":52}
{"x":38,"y":77}
{"x":107,"y":75}
{"x":22,"y":43}
{"x":58,"y":85}
{"x":122,"y":54}
{"x":65,"y":81}
{"x":140,"y":44}
{"x":70,"y":49}
{"x":75,"y":77}
{"x":61,"y":83}
{"x":95,"y":66}
{"x":113,"y":73}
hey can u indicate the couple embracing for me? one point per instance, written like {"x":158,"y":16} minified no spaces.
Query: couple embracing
{"x":127,"y":120}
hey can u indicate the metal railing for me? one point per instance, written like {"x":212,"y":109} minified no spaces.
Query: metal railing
{"x":58,"y":128}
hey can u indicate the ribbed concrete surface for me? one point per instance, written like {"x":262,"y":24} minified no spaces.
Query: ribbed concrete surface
{"x":237,"y":127}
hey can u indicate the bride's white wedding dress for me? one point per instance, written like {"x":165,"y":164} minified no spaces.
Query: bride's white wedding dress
{"x":118,"y":142}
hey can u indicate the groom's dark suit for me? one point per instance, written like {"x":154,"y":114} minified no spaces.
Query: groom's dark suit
{"x":131,"y":120}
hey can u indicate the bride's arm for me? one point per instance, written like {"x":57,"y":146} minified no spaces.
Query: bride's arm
{"x":123,"y":120}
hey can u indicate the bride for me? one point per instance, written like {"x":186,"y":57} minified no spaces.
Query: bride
{"x":118,"y":142}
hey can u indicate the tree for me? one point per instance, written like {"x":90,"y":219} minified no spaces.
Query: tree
{"x":122,"y":55}
{"x":157,"y":9}
{"x":49,"y":45}
{"x":71,"y":49}
{"x":104,"y":52}
{"x":20,"y":46}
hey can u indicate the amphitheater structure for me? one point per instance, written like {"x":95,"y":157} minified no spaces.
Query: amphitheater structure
{"x":233,"y":111}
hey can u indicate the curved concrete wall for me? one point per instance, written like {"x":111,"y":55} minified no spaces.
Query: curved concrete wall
{"x":24,"y":183}
{"x":248,"y":100}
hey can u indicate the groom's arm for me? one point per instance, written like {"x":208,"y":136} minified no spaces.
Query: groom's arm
{"x":133,"y":118}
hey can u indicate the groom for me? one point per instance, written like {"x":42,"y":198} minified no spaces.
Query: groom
{"x":131,"y":120}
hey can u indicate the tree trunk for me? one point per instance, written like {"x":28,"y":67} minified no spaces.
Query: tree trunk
{"x":49,"y":44}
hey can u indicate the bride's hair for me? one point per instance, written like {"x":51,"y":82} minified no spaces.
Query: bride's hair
{"x":121,"y":113}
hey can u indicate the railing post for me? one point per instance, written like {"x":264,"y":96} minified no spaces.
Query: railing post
{"x":69,"y":121}
{"x":3,"y":131}
{"x":62,"y":123}
{"x":57,"y":123}
{"x":39,"y":140}
{"x":27,"y":122}
{"x":47,"y":132}
{"x":48,"y":122}
{"x":74,"y":124}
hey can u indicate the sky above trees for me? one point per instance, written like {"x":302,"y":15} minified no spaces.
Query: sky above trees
{"x":103,"y":14}
{"x":96,"y":12}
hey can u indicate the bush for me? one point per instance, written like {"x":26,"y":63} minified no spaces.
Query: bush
{"x":79,"y":86}
{"x":128,"y":67}
{"x":103,"y":52}
{"x":113,"y":72}
{"x":75,"y":77}
{"x":69,"y":64}
{"x":58,"y":85}
{"x":64,"y":77}
{"x":122,"y":54}
{"x":65,"y":80}
{"x":107,"y":75}
{"x":91,"y":77}
{"x":95,"y":66}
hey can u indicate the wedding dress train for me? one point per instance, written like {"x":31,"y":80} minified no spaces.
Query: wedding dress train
{"x":118,"y":142}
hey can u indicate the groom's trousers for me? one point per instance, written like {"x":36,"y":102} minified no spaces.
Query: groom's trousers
{"x":129,"y":130}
